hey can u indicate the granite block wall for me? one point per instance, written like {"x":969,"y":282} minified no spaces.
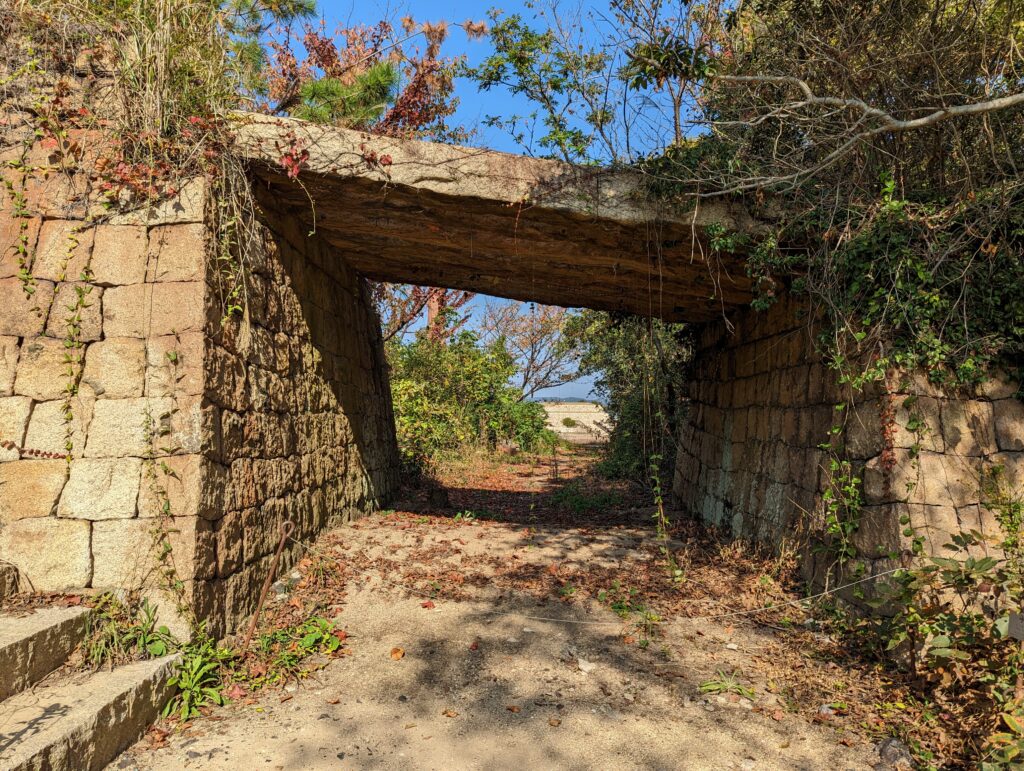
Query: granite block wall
{"x":158,"y":415}
{"x":751,"y":461}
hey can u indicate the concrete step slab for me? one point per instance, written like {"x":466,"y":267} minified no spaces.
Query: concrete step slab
{"x":83,"y":721}
{"x":34,"y":645}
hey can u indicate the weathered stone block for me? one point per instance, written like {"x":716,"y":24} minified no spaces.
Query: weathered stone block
{"x":228,"y":530}
{"x":63,"y":251}
{"x":79,"y":301}
{"x":1009,"y":424}
{"x":177,"y":253}
{"x":226,"y":379}
{"x":179,"y":307}
{"x":189,"y":485}
{"x":119,"y":255}
{"x":174,"y":365}
{"x":52,"y":554}
{"x":9,"y":350}
{"x":999,"y":385}
{"x":49,"y":429}
{"x":43,"y":369}
{"x":30,"y":488}
{"x":188,"y":206}
{"x":129,"y":427}
{"x":21,"y":314}
{"x":125,"y":555}
{"x":14,"y":412}
{"x":56,"y":195}
{"x":947,"y":479}
{"x":923,"y":414}
{"x":968,"y":427}
{"x":101,"y":488}
{"x":863,"y":430}
{"x":115,"y":368}
{"x":126,"y":311}
{"x":18,"y":238}
{"x":152,"y":310}
{"x":144,"y":426}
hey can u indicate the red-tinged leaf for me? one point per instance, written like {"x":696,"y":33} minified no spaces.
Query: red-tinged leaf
{"x":397,"y":653}
{"x":513,"y":708}
{"x":235,"y":692}
{"x":429,"y":605}
{"x":778,"y":714}
{"x":475,"y":645}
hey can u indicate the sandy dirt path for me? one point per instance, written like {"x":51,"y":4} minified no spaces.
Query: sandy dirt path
{"x":497,"y":671}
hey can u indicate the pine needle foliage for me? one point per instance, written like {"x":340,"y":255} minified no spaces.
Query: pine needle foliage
{"x":355,"y":105}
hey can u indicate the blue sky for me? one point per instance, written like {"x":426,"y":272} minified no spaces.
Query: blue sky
{"x":474,"y":105}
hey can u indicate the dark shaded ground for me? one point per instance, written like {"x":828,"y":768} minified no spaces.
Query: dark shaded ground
{"x":538,"y":628}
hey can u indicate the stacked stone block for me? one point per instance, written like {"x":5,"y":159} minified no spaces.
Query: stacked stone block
{"x":750,"y":456}
{"x":229,"y":428}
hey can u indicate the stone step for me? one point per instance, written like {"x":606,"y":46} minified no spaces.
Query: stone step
{"x":34,"y":645}
{"x":84,"y":721}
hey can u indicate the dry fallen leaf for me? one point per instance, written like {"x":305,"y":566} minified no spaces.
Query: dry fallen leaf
{"x":235,"y":691}
{"x":450,"y":713}
{"x":429,"y":605}
{"x":334,"y":701}
{"x":554,"y":722}
{"x":286,"y":697}
{"x":512,"y":708}
{"x":475,"y":645}
{"x":397,"y":653}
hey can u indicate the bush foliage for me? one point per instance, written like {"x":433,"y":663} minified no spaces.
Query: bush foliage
{"x":640,"y":367}
{"x":452,"y":395}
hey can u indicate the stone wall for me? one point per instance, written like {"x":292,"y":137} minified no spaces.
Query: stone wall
{"x":750,"y":459}
{"x":212,"y":433}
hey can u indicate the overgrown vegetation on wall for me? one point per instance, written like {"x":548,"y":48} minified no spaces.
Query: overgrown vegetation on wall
{"x":881,"y":145}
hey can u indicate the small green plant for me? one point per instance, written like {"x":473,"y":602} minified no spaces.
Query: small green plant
{"x":120,"y":632}
{"x":727,"y":683}
{"x":199,"y":678}
{"x":466,"y":516}
{"x":627,"y":605}
{"x":1005,"y":748}
{"x":662,"y":523}
{"x":285,"y":650}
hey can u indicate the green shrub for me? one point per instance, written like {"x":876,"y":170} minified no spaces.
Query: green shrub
{"x":640,"y":366}
{"x":454,"y":394}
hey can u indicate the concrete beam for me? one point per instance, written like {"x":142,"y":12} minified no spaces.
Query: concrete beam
{"x":525,"y":228}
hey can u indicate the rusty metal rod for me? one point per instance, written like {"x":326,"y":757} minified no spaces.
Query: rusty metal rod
{"x":285,"y":529}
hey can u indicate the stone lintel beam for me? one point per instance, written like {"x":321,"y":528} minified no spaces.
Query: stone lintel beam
{"x":525,"y":228}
